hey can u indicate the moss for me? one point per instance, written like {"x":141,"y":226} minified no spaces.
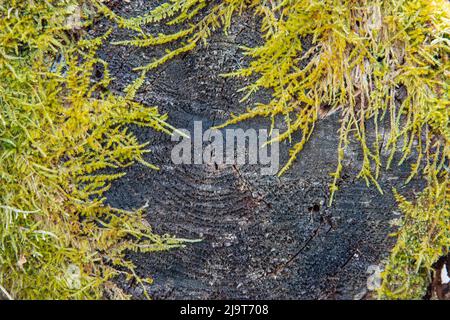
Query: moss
{"x":363,"y":53}
{"x":58,"y":240}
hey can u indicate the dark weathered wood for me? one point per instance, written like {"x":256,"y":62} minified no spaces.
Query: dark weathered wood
{"x":263,"y":237}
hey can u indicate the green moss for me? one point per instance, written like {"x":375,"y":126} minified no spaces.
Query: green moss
{"x":423,"y":237}
{"x":362,"y":53}
{"x":58,"y":240}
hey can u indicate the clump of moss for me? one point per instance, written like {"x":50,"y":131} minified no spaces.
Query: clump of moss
{"x":423,"y":237}
{"x":363,"y":53}
{"x":58,"y":240}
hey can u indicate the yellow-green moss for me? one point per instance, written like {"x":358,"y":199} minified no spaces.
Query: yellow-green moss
{"x":58,"y":240}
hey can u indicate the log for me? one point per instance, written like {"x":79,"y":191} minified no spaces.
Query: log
{"x":263,"y":237}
